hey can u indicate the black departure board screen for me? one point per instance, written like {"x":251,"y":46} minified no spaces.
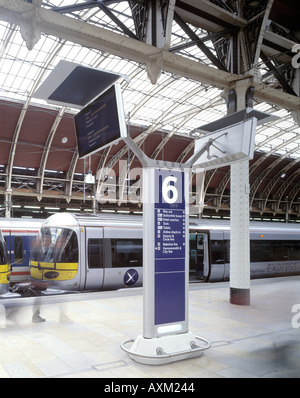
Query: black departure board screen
{"x":100,"y":123}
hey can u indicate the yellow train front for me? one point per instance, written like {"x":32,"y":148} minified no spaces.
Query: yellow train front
{"x":80,"y":253}
{"x":54,"y":257}
{"x":5,"y":268}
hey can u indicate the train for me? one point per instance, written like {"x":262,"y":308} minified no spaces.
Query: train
{"x":19,"y":234}
{"x":105,"y":252}
{"x":5,"y":268}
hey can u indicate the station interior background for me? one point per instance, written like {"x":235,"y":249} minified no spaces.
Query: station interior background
{"x":207,"y":46}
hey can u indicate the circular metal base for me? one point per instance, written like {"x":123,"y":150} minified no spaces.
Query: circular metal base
{"x":166,"y":349}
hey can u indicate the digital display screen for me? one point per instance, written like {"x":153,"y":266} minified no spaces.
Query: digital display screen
{"x":100,"y":123}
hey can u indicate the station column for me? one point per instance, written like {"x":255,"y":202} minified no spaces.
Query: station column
{"x":8,"y":202}
{"x":240,"y":98}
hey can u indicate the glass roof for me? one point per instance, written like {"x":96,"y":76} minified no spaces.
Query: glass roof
{"x":175,"y":104}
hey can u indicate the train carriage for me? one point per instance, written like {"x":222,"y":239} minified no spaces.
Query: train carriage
{"x":77,"y":252}
{"x":92,"y":252}
{"x":274,"y":249}
{"x":19,"y":235}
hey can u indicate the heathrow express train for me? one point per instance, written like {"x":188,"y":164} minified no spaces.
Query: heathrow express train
{"x":91,"y":252}
{"x":19,"y":235}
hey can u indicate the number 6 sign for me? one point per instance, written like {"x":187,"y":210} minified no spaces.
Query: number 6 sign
{"x":167,"y":188}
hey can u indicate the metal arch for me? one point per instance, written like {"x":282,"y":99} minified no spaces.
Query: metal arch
{"x":185,"y":152}
{"x":70,"y":175}
{"x":293,"y":195}
{"x":222,"y":186}
{"x":265,"y":156}
{"x":272,"y":183}
{"x":15,"y":143}
{"x":123,"y":174}
{"x":100,"y":167}
{"x":284,"y":188}
{"x":113,"y":161}
{"x":259,"y":180}
{"x":262,"y":175}
{"x":208,"y":176}
{"x":186,"y":116}
{"x":41,"y":171}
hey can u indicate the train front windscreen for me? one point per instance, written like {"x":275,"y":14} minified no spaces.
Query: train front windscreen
{"x":55,"y":255}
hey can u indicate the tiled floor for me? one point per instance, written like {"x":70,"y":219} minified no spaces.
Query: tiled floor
{"x":253,"y":342}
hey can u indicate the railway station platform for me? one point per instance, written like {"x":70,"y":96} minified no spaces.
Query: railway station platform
{"x":257,"y":341}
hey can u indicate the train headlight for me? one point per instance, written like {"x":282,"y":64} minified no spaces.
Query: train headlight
{"x":51,"y":274}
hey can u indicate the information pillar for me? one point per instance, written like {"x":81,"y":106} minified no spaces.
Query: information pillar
{"x":165,"y":252}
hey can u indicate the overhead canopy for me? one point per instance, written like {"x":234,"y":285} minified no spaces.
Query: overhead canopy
{"x":73,"y":85}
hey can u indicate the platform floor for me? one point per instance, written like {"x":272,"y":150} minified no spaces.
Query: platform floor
{"x":258,"y":341}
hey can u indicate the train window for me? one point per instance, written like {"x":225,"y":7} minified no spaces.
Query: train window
{"x":66,"y":247}
{"x":261,"y":251}
{"x":56,"y":245}
{"x":217,"y":251}
{"x":18,"y":249}
{"x":293,"y":248}
{"x":95,"y":253}
{"x":127,"y":252}
{"x":274,"y":250}
{"x":227,"y":251}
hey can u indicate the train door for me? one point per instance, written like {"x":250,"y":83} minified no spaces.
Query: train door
{"x":218,"y":256}
{"x":94,"y":259}
{"x":199,"y":256}
{"x":19,"y":253}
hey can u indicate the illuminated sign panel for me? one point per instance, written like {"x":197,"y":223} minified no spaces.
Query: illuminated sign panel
{"x":101,"y":123}
{"x":170,"y":247}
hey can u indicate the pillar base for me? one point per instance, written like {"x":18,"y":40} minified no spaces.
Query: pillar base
{"x":239,"y":296}
{"x":166,"y":349}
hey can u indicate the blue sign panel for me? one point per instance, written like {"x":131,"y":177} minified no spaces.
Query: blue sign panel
{"x":99,"y":124}
{"x":170,"y":246}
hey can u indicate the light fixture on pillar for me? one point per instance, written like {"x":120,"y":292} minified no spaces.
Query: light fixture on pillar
{"x":89,"y":178}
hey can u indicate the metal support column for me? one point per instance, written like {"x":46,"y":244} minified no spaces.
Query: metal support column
{"x":239,"y":224}
{"x":239,"y":238}
{"x":8,"y":202}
